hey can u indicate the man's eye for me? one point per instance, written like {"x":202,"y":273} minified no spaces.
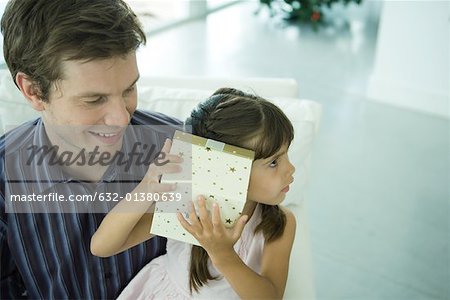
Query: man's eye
{"x":130,"y":90}
{"x":97,"y":101}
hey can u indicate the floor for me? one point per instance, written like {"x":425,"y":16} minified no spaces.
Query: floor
{"x":378,"y":200}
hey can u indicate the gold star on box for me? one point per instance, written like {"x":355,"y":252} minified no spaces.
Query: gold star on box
{"x":233,"y":170}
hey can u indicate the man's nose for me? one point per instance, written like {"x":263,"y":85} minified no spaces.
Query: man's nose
{"x":117,"y":113}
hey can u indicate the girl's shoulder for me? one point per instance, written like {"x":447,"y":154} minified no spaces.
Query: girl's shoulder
{"x":289,"y":214}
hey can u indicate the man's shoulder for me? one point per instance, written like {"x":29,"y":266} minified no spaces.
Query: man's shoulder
{"x":10,"y":143}
{"x":141,"y":117}
{"x":15,"y":138}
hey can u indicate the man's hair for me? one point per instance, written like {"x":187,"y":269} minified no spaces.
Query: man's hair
{"x":40,"y":34}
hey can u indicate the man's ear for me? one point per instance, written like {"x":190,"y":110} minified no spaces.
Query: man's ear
{"x":29,"y":90}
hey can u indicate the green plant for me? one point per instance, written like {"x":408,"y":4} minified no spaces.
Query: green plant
{"x":305,"y":11}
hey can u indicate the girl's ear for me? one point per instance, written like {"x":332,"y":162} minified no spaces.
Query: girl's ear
{"x":29,"y":90}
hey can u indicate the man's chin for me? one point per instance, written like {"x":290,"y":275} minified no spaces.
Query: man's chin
{"x":102,"y":150}
{"x":97,"y":155}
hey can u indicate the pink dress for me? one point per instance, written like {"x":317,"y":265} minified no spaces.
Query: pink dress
{"x":167,"y":277}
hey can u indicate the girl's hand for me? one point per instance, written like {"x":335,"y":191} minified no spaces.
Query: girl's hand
{"x":128,"y":223}
{"x":166,"y":163}
{"x":214,"y":237}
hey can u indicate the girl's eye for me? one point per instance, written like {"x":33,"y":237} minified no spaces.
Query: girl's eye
{"x":273,"y":164}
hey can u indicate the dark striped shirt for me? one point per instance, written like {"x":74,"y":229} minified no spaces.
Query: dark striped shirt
{"x":47,"y":255}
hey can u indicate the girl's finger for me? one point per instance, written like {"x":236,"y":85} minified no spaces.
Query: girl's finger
{"x":172,"y":158}
{"x":239,"y":227}
{"x":185,"y":224}
{"x":154,"y":172}
{"x":166,"y":147}
{"x":193,"y":216}
{"x":216,"y":219}
{"x":205,"y":219}
{"x":218,"y":227}
{"x":157,"y":187}
{"x":164,"y":157}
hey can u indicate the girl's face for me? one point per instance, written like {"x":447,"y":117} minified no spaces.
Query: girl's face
{"x":270,"y":178}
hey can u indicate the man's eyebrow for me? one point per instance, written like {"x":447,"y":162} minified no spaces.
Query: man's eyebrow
{"x":134,"y":82}
{"x":96,"y":94}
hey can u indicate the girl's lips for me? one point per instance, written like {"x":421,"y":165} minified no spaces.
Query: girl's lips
{"x":286,"y":189}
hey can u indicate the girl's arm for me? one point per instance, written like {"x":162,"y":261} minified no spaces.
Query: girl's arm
{"x":274,"y":269}
{"x":121,"y":230}
{"x":218,"y":242}
{"x":128,"y":223}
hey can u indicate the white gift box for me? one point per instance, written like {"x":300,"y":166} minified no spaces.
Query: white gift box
{"x":218,"y":171}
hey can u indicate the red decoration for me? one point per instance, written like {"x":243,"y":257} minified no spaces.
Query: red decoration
{"x":315,"y":16}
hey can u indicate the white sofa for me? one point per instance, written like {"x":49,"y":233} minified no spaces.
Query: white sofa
{"x":177,"y":96}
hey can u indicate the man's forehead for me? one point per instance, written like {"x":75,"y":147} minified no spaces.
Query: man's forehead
{"x":99,"y":76}
{"x":69,"y":67}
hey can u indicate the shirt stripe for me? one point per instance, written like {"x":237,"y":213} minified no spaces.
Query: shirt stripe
{"x":47,"y":255}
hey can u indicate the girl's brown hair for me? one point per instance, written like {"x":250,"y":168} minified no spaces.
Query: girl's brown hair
{"x":247,"y":121}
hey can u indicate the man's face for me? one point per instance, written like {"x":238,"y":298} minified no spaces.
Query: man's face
{"x":92,"y":104}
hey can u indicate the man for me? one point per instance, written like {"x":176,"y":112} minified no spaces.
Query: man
{"x":75,"y":62}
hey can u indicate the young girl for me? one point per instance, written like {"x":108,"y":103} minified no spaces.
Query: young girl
{"x":251,"y":260}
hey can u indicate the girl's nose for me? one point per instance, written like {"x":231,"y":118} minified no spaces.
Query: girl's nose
{"x":291,"y":169}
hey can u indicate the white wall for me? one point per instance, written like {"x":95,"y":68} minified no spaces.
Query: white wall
{"x":411,"y":66}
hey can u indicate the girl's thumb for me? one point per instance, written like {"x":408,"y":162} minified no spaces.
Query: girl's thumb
{"x":167,"y":145}
{"x":239,"y":227}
